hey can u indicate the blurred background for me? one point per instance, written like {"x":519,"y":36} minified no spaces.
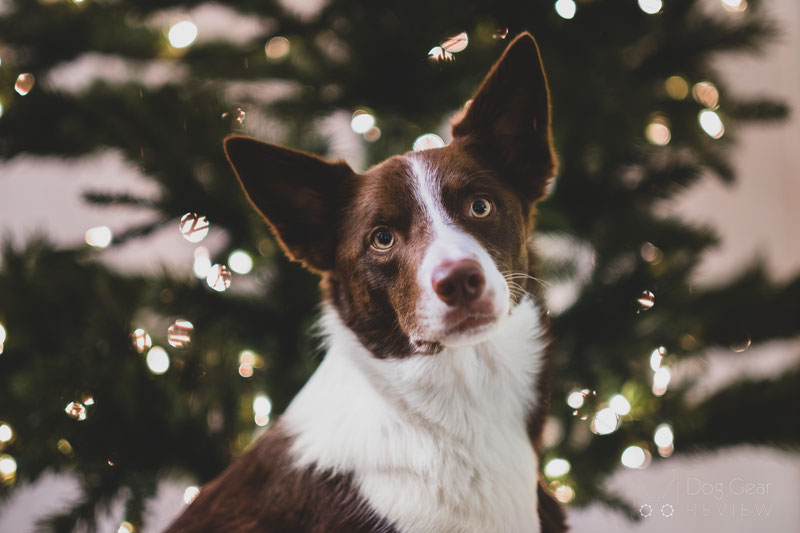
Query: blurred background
{"x":149,"y":327}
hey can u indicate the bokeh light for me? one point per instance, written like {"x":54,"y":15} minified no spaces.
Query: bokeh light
{"x":734,"y":6}
{"x":677,"y":87}
{"x":157,"y":360}
{"x":240,"y":262}
{"x":575,"y":399}
{"x":634,"y":457}
{"x":651,"y":7}
{"x":8,"y":469}
{"x":663,"y":436}
{"x":566,"y":8}
{"x":661,"y":380}
{"x":24,"y":83}
{"x":219,"y":278}
{"x":362,"y":121}
{"x":620,"y":404}
{"x":711,"y":123}
{"x":262,"y":407}
{"x":427,"y":141}
{"x":605,"y":421}
{"x":194,"y":227}
{"x":277,"y":48}
{"x":656,"y":357}
{"x":706,"y":94}
{"x":98,"y":237}
{"x":557,"y":467}
{"x":179,"y":334}
{"x":182,"y":34}
{"x":190,"y":494}
{"x":657,"y":131}
{"x":6,"y":433}
{"x":76,"y":410}
{"x":141,"y":340}
{"x":202,"y":262}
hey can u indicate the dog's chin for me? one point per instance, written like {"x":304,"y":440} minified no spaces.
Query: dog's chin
{"x":473,"y":330}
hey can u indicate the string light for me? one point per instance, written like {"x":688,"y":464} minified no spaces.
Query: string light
{"x":372,"y":134}
{"x":566,"y":8}
{"x":8,"y":469}
{"x":711,"y":123}
{"x":247,"y":360}
{"x":657,"y":131}
{"x":2,"y":336}
{"x":656,"y":356}
{"x":219,"y":278}
{"x":575,"y":399}
{"x":646,"y":301}
{"x":24,"y":83}
{"x":262,"y":407}
{"x":6,"y":433}
{"x":362,"y":121}
{"x":1,"y":110}
{"x":240,"y":262}
{"x":634,"y":457}
{"x":605,"y":421}
{"x":141,"y":340}
{"x":238,"y":115}
{"x":620,"y":404}
{"x":182,"y":34}
{"x":661,"y":380}
{"x":76,"y":410}
{"x":564,"y":493}
{"x":202,"y":262}
{"x":194,"y":227}
{"x":663,"y":436}
{"x":453,"y":45}
{"x":277,"y":48}
{"x":98,"y":237}
{"x":676,"y":87}
{"x":737,"y":347}
{"x":190,"y":494}
{"x":64,"y":447}
{"x":651,"y":7}
{"x":179,"y":334}
{"x":427,"y":141}
{"x":157,"y":360}
{"x":706,"y":93}
{"x":557,"y":467}
{"x":734,"y":6}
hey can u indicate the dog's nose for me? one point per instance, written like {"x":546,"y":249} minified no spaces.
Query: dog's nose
{"x":458,"y":283}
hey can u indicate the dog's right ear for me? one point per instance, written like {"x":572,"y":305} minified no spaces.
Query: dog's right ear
{"x":300,"y":195}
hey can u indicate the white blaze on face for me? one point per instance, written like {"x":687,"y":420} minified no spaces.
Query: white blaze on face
{"x":449,"y":244}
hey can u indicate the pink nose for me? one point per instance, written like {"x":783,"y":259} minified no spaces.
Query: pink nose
{"x":458,"y":283}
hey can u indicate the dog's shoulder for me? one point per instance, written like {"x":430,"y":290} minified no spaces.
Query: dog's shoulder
{"x":263,"y":491}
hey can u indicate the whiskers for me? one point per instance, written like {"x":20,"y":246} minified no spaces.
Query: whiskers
{"x":517,"y":290}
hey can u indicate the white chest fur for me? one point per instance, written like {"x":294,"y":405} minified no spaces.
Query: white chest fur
{"x":436,"y":443}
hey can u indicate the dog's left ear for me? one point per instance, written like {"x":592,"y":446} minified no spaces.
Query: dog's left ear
{"x":508,"y":122}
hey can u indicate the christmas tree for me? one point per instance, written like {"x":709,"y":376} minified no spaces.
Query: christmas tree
{"x":127,"y":379}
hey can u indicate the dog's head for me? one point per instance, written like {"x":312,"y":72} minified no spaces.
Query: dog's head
{"x":427,"y":249}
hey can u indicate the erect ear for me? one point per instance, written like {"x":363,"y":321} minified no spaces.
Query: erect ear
{"x":508,"y":122}
{"x":299,"y":194}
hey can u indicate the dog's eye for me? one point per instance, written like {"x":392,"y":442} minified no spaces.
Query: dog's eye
{"x":382,"y":239}
{"x":480,"y":208}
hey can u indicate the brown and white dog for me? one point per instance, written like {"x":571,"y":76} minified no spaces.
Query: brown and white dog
{"x":426,"y":413}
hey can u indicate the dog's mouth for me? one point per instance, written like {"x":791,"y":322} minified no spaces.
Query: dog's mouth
{"x":470,"y":323}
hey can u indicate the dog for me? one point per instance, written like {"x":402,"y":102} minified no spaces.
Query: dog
{"x":426,"y":413}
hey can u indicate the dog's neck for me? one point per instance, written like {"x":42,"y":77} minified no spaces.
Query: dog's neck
{"x":432,"y":441}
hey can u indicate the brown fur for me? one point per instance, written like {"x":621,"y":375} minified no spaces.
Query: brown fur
{"x":262,"y":492}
